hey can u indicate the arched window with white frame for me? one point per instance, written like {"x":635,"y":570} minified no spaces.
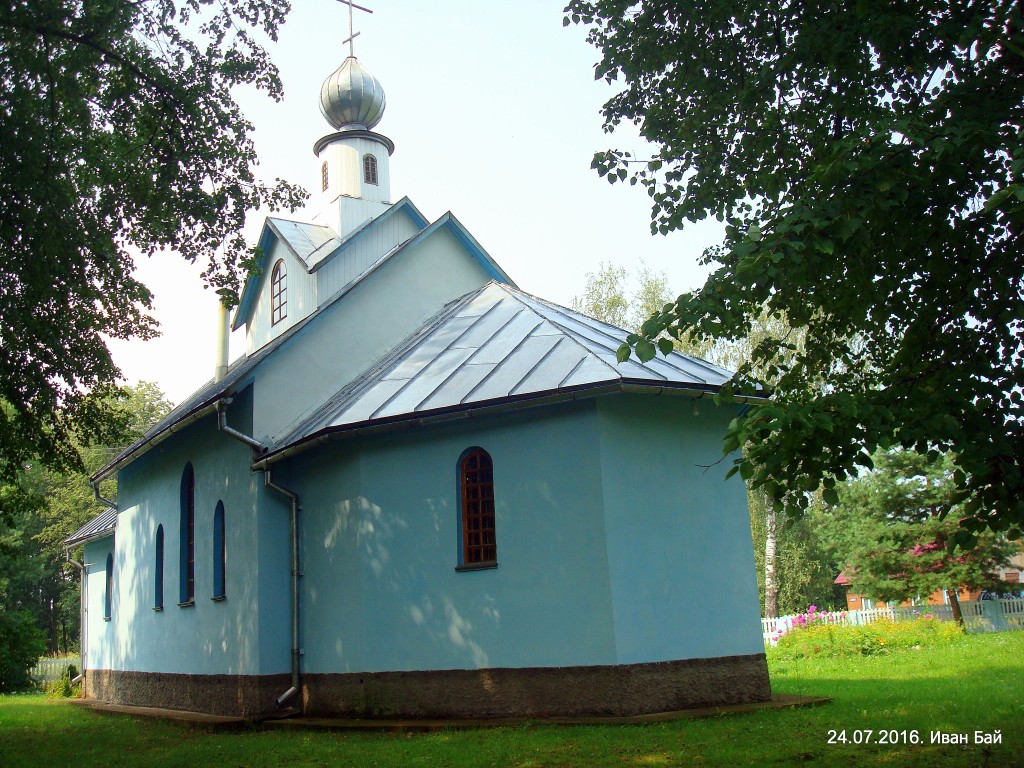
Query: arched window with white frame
{"x":370,"y":169}
{"x":278,"y":293}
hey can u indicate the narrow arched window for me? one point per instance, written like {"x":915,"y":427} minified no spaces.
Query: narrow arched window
{"x":369,"y":169}
{"x":278,"y":293}
{"x":158,"y":571}
{"x":323,"y":175}
{"x":476,"y":481}
{"x":108,"y":589}
{"x":187,"y":587}
{"x":219,"y":552}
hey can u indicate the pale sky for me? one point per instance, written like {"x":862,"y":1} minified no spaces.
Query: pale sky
{"x":494,"y":113}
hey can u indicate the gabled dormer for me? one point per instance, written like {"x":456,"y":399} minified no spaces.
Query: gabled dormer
{"x":303,"y":265}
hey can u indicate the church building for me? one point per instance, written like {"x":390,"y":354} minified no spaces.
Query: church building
{"x":421,"y":492}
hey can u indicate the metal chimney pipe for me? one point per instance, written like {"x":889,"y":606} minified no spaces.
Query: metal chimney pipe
{"x":223,"y":332}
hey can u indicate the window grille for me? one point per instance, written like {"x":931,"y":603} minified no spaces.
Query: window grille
{"x":476,"y":473}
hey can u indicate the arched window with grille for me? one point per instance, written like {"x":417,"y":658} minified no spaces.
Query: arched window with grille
{"x":370,"y":169}
{"x":278,"y":293}
{"x":477,"y":522}
{"x":158,"y":571}
{"x":219,"y":553}
{"x":187,"y":563}
{"x":323,"y":175}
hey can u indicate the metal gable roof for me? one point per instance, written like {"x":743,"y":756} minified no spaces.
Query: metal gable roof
{"x":202,"y":402}
{"x":496,"y":344}
{"x":99,"y":527}
{"x":309,"y":242}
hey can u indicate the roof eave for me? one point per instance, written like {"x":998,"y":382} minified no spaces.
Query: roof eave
{"x":69,"y":543}
{"x":200,"y":411}
{"x":482,"y":408}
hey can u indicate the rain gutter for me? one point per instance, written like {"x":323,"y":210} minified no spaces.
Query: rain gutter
{"x":156,"y":439}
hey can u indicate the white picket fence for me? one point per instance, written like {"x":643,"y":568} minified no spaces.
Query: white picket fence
{"x":979,"y":616}
{"x":51,"y":670}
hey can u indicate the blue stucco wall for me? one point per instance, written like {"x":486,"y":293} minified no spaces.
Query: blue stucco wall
{"x":381,"y":546}
{"x":680,"y":555}
{"x":615,"y":545}
{"x":246,"y":633}
{"x":99,"y":635}
{"x":596,"y":565}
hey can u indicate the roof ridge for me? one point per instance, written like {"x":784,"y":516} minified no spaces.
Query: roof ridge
{"x":666,"y":359}
{"x":565,"y":331}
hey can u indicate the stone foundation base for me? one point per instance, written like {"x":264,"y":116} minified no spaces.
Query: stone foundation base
{"x":623,"y":690}
{"x":618,"y":690}
{"x":233,"y":695}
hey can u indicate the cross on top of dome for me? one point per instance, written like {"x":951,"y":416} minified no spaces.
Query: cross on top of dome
{"x":352,"y":98}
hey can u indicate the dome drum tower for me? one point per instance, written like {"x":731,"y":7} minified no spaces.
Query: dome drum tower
{"x":355,"y":179}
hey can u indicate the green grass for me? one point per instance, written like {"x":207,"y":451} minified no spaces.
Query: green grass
{"x":972,"y":683}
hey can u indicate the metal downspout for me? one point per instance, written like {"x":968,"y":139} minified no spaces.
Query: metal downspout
{"x":293,"y":499}
{"x":96,"y":491}
{"x":222,"y":425}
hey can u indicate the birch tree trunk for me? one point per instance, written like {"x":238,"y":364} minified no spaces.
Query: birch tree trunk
{"x":771,"y":584}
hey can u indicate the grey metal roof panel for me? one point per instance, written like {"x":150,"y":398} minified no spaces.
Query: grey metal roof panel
{"x":99,"y":527}
{"x":588,"y":371}
{"x":560,"y":360}
{"x":309,"y":242}
{"x":495,"y":343}
{"x":421,"y":386}
{"x":508,"y":374}
{"x":459,"y":386}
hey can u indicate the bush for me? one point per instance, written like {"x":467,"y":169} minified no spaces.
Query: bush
{"x":63,"y":689}
{"x":21,"y":645}
{"x":883,"y":636}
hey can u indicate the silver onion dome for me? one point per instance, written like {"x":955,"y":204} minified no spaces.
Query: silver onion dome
{"x":351,"y":97}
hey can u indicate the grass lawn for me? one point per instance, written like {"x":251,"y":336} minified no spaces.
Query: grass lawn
{"x":975,"y":683}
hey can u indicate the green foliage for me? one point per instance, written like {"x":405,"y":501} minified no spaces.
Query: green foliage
{"x":63,"y":689}
{"x":615,"y":297}
{"x":42,"y":507}
{"x":888,"y":529}
{"x":883,"y":636}
{"x":804,"y":572}
{"x":867,"y":162}
{"x":119,"y":136}
{"x":21,"y":645}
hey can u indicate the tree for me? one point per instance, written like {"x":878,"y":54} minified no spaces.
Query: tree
{"x":889,"y":534}
{"x":608,"y":295}
{"x":21,"y":640}
{"x":119,"y":134}
{"x":867,"y":162}
{"x":38,"y":511}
